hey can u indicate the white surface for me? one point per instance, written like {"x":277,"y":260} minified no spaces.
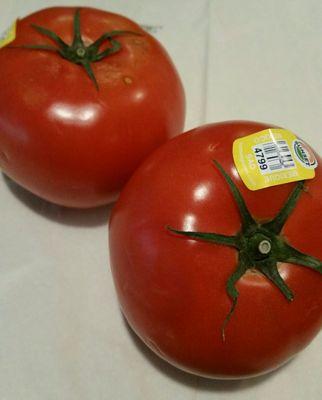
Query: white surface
{"x":61,"y":333}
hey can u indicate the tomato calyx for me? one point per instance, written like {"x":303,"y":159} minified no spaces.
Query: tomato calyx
{"x":260,"y":246}
{"x":78,"y":52}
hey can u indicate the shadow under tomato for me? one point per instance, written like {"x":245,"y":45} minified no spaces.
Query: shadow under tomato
{"x":194,"y":381}
{"x":90,"y":217}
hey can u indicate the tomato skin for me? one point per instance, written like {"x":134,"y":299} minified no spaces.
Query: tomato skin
{"x":60,"y":137}
{"x":172,"y":290}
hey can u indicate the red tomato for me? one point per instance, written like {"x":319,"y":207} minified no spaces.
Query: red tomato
{"x":62,"y":137}
{"x":176,"y":289}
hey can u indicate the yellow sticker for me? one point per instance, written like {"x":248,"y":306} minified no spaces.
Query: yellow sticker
{"x":9,"y":35}
{"x":273,"y":157}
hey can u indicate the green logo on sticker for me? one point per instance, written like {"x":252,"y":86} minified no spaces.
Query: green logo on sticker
{"x":304,"y":154}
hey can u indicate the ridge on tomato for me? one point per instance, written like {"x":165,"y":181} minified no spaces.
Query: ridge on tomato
{"x":217,"y":279}
{"x":85,"y":96}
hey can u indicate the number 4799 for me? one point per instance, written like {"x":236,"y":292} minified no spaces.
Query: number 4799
{"x":260,"y":158}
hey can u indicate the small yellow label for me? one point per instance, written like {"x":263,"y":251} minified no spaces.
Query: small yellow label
{"x":9,"y":35}
{"x":273,"y":157}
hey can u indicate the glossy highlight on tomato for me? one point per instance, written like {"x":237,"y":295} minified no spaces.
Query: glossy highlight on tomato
{"x":75,"y":120}
{"x":196,"y":258}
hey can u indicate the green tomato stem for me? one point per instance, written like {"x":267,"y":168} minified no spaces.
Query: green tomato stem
{"x":259,"y":246}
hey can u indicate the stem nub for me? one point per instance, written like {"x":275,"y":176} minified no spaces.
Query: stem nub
{"x":80,"y":51}
{"x":265,"y":247}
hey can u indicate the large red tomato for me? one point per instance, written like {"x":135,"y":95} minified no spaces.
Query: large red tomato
{"x":206,"y":270}
{"x":77,"y":116}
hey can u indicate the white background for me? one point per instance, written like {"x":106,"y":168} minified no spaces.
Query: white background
{"x":62,"y":336}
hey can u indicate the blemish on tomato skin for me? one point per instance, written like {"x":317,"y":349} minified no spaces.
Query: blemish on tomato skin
{"x":212,"y":147}
{"x":137,"y":42}
{"x":127,"y":80}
